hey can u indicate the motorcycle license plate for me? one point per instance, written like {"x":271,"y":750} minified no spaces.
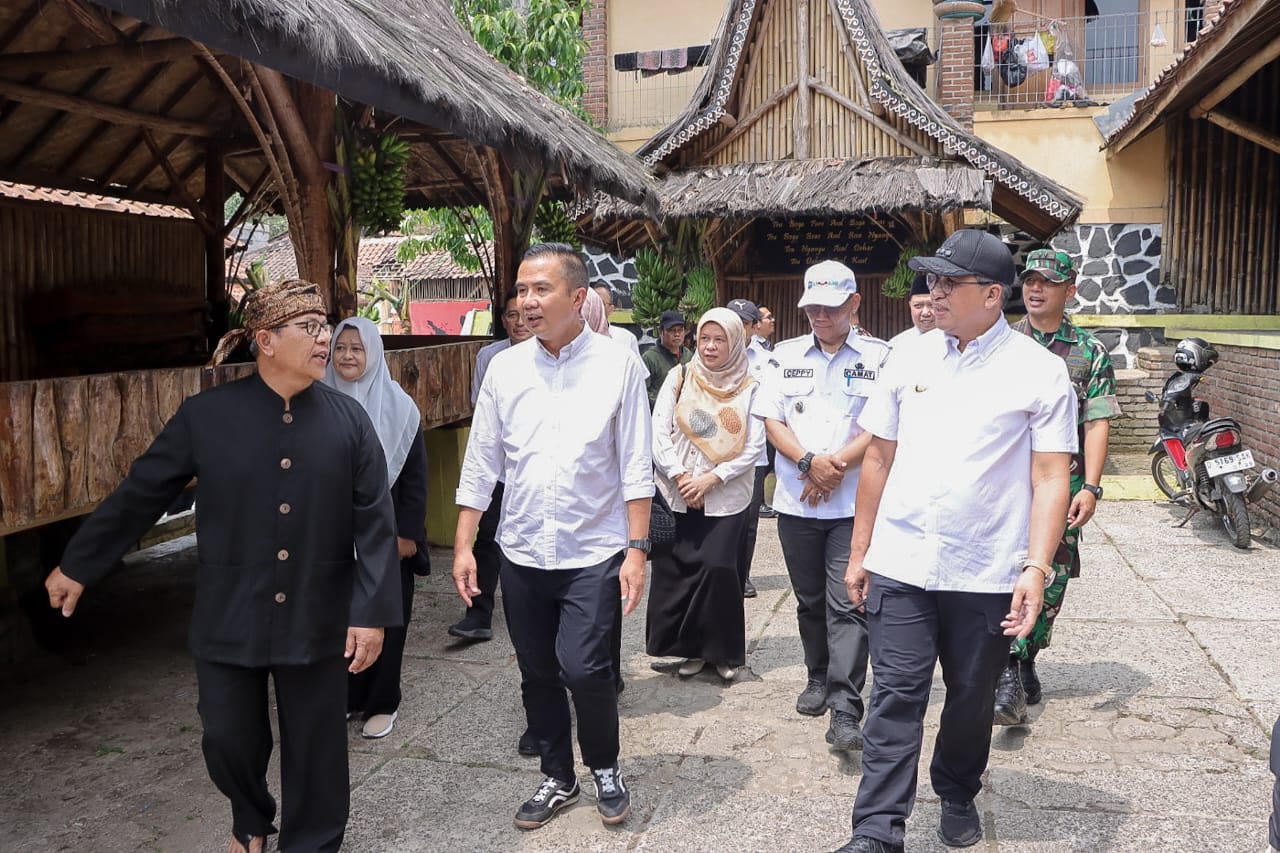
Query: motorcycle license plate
{"x":1226,"y":464}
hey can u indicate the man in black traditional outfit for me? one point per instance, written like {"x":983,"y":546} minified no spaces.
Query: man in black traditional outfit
{"x":298,"y":568}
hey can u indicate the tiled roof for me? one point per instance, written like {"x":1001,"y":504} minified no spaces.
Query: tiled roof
{"x":377,"y":260}
{"x":26,"y":192}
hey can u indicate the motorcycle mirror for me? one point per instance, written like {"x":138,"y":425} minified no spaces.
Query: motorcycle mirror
{"x":1151,"y":398}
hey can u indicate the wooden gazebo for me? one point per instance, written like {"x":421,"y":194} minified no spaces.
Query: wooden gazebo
{"x":808,"y":139}
{"x":182,"y":102}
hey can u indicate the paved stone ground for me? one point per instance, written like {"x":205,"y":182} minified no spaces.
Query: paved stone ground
{"x":1160,"y":691}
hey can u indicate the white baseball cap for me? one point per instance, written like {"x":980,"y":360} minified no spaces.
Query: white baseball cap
{"x":828,"y":283}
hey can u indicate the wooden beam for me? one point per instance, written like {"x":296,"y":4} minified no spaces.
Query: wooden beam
{"x":851,"y":57}
{"x":247,"y":200}
{"x":41,"y":178}
{"x":178,"y":94}
{"x":1248,"y":130}
{"x":212,"y":213}
{"x":92,"y":19}
{"x":153,"y":76}
{"x":866,"y":114}
{"x":754,"y":116}
{"x":174,"y":181}
{"x":804,"y":97}
{"x":456,"y":168}
{"x":106,"y":56}
{"x":36,"y":142}
{"x":1236,"y":79}
{"x":105,"y":112}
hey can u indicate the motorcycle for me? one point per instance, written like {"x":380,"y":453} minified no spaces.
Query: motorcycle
{"x":1200,"y":461}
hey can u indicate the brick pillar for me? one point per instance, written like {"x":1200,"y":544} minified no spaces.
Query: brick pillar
{"x":595,"y":65}
{"x":955,"y":70}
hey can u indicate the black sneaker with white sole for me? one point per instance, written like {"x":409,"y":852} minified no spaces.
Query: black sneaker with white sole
{"x":552,"y":795}
{"x":613,"y":798}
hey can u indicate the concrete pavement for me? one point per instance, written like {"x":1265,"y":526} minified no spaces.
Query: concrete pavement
{"x":1160,"y":691}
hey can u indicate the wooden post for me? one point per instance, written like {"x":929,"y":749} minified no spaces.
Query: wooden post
{"x":215,"y":254}
{"x":804,"y":95}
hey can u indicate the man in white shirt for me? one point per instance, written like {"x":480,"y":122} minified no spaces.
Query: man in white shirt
{"x":921,"y":306}
{"x":565,"y":420}
{"x":810,"y":406}
{"x":960,"y":505}
{"x":618,"y":333}
{"x":762,"y":338}
{"x":477,"y":622}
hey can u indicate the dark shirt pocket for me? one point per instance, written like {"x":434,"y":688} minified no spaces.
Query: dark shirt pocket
{"x":227,"y":609}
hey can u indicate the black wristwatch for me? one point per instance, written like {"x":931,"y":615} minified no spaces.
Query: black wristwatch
{"x":805,"y":462}
{"x":1096,"y":491}
{"x":640,"y":544}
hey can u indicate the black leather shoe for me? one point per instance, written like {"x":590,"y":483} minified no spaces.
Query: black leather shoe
{"x":960,"y":825}
{"x":527,"y":746}
{"x":767,"y":511}
{"x":1011,"y":701}
{"x":813,"y":701}
{"x":1030,"y":681}
{"x":473,"y":631}
{"x":749,"y":589}
{"x":863,"y":844}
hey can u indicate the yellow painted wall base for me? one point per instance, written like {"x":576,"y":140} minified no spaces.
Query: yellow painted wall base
{"x":445,"y":449}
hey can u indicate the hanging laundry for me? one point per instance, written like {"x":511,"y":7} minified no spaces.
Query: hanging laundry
{"x":625,"y":61}
{"x":675,"y":59}
{"x":699,"y":55}
{"x":649,"y":60}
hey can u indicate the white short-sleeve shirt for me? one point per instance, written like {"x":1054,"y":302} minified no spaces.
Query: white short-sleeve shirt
{"x":819,"y":396}
{"x":956,"y":508}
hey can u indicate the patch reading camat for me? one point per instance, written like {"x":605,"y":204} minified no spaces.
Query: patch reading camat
{"x":730,"y":421}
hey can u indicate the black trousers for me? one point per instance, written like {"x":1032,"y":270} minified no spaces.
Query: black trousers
{"x":314,"y":780}
{"x":747,"y":550}
{"x":561,"y":623}
{"x":833,"y":633}
{"x":377,"y":689}
{"x":488,"y":561}
{"x":911,"y":630}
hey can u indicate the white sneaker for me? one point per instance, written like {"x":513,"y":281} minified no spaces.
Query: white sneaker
{"x":379,"y":725}
{"x":692,"y":666}
{"x":728,"y":673}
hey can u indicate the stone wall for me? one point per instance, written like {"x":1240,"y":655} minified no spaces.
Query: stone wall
{"x":1136,"y":428}
{"x":617,"y":272}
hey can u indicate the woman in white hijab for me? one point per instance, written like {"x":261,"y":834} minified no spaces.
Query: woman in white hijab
{"x":705,"y":446}
{"x":358,"y":369}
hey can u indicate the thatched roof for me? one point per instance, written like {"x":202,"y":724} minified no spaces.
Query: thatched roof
{"x":1236,"y":35}
{"x":793,"y":188}
{"x":118,"y":97}
{"x":1021,"y":195}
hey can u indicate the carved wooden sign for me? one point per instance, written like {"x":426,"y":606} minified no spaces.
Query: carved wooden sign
{"x":863,"y":244}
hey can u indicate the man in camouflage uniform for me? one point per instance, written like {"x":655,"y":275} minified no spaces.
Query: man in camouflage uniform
{"x":1048,"y":282}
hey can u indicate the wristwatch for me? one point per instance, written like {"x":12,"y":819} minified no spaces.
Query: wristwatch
{"x":1096,"y":491}
{"x":805,"y":462}
{"x":1050,"y":574}
{"x":640,"y":544}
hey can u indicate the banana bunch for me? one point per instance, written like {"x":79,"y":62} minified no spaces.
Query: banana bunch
{"x":699,"y":294}
{"x":657,"y":288}
{"x":377,"y":182}
{"x":554,"y":224}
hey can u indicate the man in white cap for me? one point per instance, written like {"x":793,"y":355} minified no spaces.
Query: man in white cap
{"x":810,"y":406}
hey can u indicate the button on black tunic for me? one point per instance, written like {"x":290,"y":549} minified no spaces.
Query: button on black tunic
{"x":295,"y":529}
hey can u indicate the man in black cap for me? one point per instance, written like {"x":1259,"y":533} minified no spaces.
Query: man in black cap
{"x":669,"y":352}
{"x":960,"y":503}
{"x":921,"y":305}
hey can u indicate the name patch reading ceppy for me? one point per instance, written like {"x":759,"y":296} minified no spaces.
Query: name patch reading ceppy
{"x":797,"y":373}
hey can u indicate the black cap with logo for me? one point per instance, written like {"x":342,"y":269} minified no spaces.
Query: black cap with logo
{"x":970,"y":252}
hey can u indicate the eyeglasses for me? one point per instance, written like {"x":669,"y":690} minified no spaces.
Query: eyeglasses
{"x":944,"y":284}
{"x":312,"y":328}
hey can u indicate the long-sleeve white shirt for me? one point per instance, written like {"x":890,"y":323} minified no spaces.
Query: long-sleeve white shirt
{"x":571,"y":437}
{"x":483,"y":357}
{"x":674,"y":454}
{"x":956,"y":508}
